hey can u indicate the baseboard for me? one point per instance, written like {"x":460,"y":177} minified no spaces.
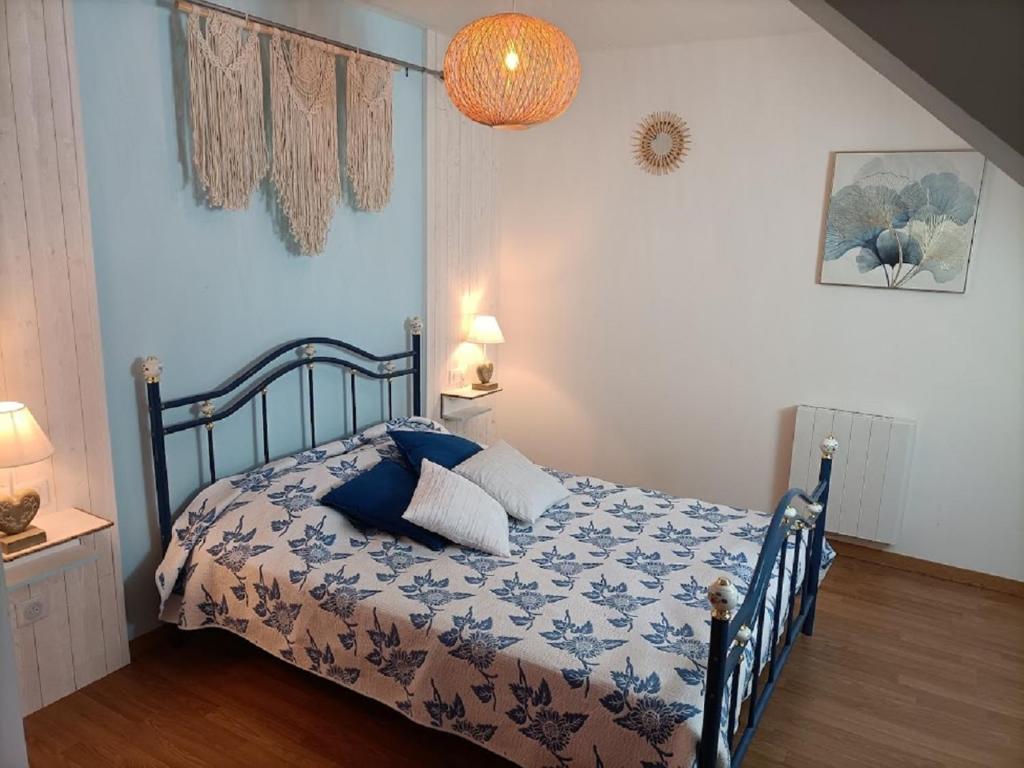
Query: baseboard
{"x":860,"y":551}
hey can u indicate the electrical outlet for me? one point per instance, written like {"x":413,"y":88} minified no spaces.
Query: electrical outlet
{"x":32,"y":610}
{"x":456,"y":377}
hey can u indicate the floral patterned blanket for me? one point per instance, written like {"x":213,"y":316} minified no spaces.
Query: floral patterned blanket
{"x":587,"y":647}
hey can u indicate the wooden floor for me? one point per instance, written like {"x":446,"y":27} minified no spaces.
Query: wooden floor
{"x":904,"y":670}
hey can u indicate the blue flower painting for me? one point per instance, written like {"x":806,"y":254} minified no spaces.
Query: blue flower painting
{"x":902,"y":219}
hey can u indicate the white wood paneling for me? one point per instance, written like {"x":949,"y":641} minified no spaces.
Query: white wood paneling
{"x":88,"y":648}
{"x":869,"y":472}
{"x":12,"y":734}
{"x":25,"y":655}
{"x":53,"y":640}
{"x":462,"y":259}
{"x":50,"y":356}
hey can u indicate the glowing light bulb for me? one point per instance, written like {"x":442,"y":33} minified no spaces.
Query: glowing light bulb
{"x":511,"y":60}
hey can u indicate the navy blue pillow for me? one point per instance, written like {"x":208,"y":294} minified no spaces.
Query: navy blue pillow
{"x":446,"y":450}
{"x":377,"y":498}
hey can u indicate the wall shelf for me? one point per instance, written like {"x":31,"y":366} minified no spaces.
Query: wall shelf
{"x":468,"y":393}
{"x":61,"y":527}
{"x":455,"y":403}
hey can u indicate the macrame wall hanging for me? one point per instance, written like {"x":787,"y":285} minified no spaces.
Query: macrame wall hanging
{"x":371,"y":158}
{"x":304,"y":119}
{"x":229,"y":147}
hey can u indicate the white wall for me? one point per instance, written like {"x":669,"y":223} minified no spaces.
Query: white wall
{"x":661,"y":329}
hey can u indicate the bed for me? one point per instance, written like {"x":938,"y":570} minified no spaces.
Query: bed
{"x":594,"y":644}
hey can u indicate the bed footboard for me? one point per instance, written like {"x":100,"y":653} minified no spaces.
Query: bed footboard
{"x":733,"y":623}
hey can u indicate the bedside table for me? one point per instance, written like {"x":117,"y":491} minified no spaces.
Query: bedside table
{"x":64,"y":601}
{"x":469,"y":413}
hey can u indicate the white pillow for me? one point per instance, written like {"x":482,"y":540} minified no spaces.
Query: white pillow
{"x":520,"y":486}
{"x":453,"y":507}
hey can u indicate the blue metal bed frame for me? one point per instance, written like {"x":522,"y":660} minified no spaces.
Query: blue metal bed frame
{"x":732,"y":622}
{"x":209,"y":415}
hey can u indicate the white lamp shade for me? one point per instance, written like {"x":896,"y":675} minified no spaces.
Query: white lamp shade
{"x":485,"y":330}
{"x":22,"y":440}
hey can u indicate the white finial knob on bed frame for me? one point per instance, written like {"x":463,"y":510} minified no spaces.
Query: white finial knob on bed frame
{"x":308,"y":351}
{"x":206,"y":410}
{"x":792,"y":518}
{"x":151,"y":369}
{"x":388,"y":367}
{"x":743,"y":635}
{"x":829,"y":446}
{"x":415,"y":326}
{"x":724,"y":598}
{"x":810,"y":514}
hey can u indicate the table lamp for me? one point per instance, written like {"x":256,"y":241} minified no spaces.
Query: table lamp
{"x":485,"y":330}
{"x":22,"y":442}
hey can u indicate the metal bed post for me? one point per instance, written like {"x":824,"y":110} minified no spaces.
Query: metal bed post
{"x":828,"y":448}
{"x":724,"y":599}
{"x":151,"y":369}
{"x":731,"y":619}
{"x":416,"y":329}
{"x":308,"y":353}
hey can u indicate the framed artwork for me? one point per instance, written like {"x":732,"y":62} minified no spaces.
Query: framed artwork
{"x":902,"y":219}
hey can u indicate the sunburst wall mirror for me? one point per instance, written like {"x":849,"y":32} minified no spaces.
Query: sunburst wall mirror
{"x":661,"y":142}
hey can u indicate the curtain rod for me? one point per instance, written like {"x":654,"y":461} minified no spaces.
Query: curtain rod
{"x":266,"y":25}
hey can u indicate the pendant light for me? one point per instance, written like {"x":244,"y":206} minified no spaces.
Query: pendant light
{"x":511,"y":71}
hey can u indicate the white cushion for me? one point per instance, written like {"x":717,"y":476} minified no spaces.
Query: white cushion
{"x":520,"y":486}
{"x":453,"y":507}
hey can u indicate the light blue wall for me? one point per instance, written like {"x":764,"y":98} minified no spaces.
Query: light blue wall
{"x":206,"y":290}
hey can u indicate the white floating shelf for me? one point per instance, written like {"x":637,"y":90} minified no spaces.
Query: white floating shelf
{"x":468,"y":393}
{"x":61,"y":527}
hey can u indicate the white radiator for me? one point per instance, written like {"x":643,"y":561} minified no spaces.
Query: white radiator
{"x":869,"y":472}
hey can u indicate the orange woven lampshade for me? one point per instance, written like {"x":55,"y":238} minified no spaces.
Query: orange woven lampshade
{"x":511,"y":71}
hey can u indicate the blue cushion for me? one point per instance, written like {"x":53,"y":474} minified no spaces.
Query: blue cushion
{"x":445,"y":450}
{"x":377,"y":498}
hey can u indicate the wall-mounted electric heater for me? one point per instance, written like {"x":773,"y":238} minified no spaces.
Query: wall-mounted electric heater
{"x":869,"y":473}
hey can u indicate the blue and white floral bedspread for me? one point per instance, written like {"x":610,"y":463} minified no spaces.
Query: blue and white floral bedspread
{"x":587,"y":647}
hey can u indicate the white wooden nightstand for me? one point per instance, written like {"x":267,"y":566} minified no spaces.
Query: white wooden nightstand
{"x":469,"y":412}
{"x":63,"y":603}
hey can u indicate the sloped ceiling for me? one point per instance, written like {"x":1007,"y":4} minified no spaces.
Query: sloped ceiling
{"x":601,"y":24}
{"x":962,"y":61}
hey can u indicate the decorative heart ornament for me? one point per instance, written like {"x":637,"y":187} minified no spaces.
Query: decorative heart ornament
{"x":16,"y":512}
{"x":484,"y":371}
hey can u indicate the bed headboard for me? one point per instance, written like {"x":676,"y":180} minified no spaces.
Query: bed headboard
{"x":253,"y":382}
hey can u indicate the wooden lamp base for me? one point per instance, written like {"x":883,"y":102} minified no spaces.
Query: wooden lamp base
{"x":15,"y":542}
